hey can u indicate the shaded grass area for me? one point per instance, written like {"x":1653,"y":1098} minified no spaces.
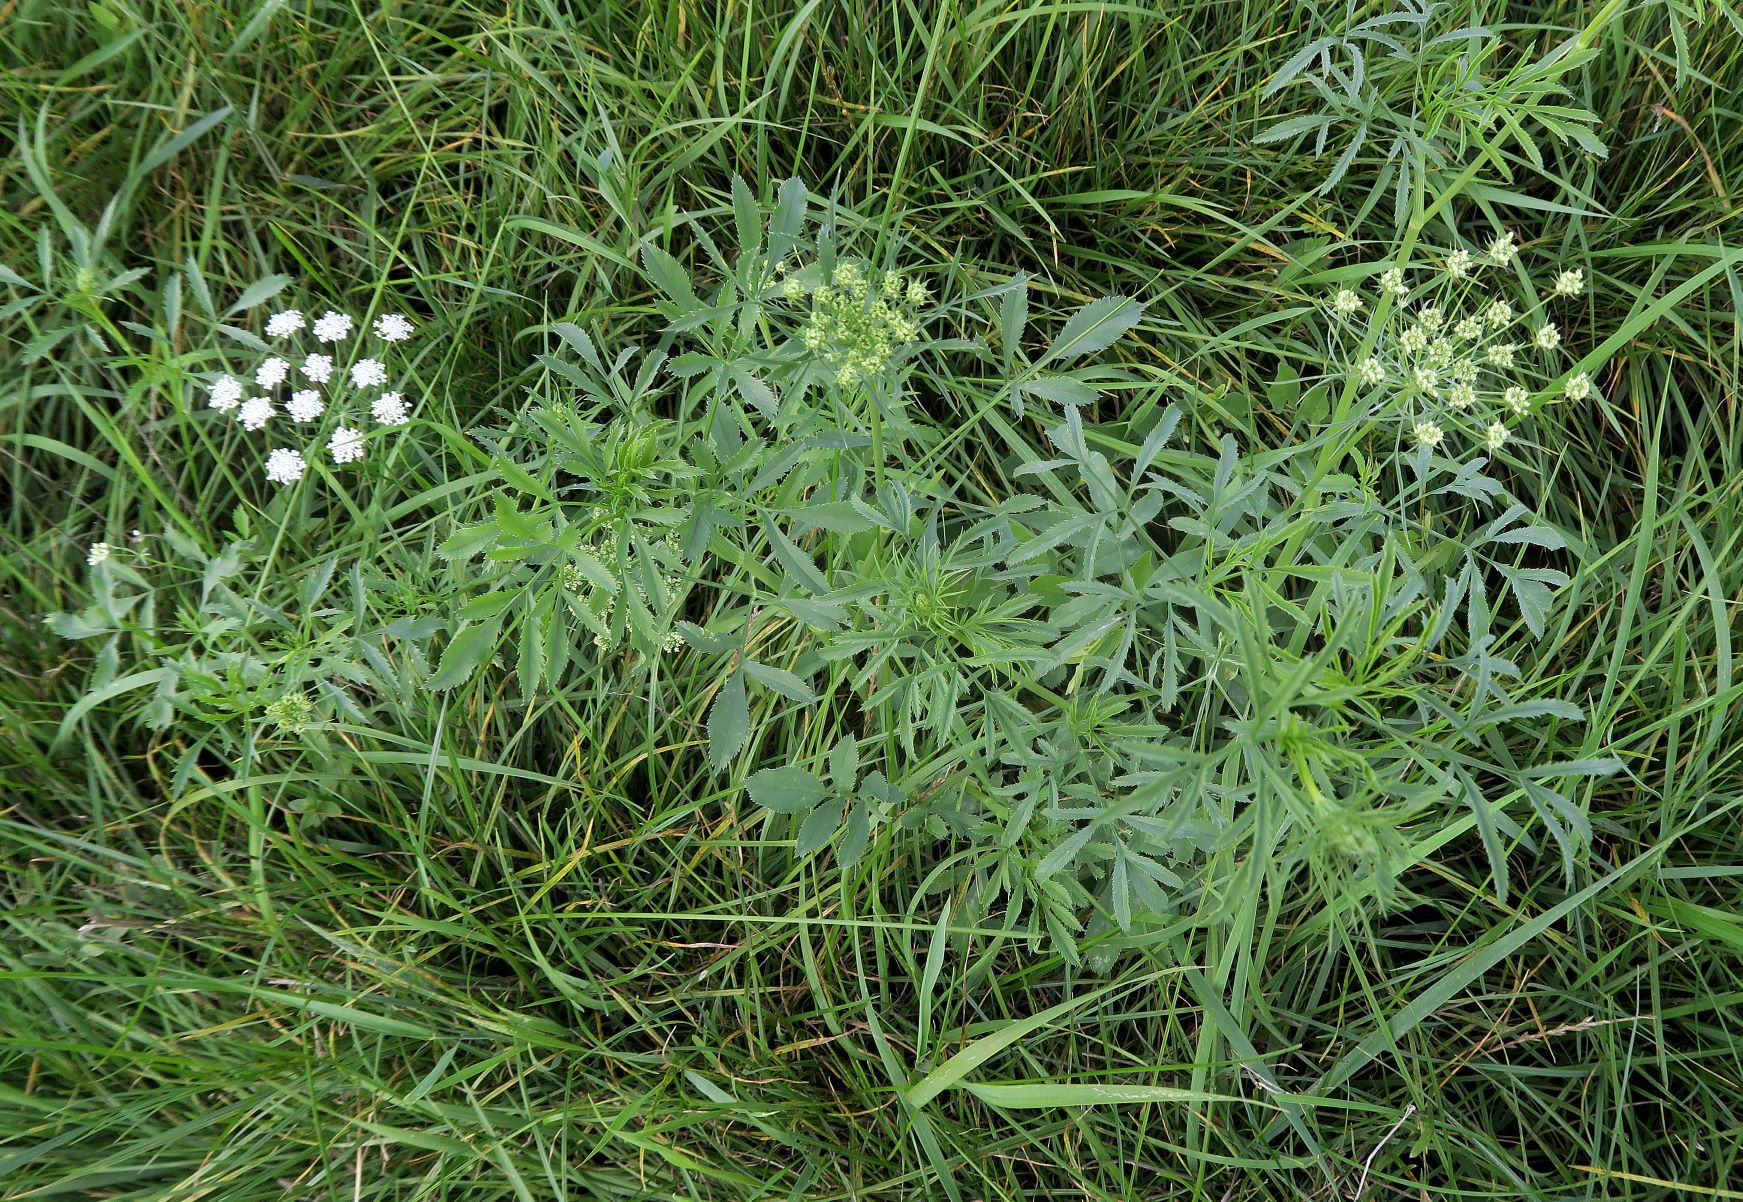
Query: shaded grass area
{"x":542,"y":951}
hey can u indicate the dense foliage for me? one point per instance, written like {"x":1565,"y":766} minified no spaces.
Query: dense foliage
{"x":857,"y":601}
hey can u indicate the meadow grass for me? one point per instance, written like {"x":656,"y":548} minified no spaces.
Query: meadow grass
{"x":498,"y":941}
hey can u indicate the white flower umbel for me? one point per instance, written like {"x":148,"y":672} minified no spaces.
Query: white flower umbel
{"x":1459,"y":264}
{"x":332,"y":326}
{"x":272,"y":373}
{"x":256,"y":411}
{"x":318,"y":368}
{"x":368,"y":373}
{"x":1428,"y":434}
{"x":1392,"y":280}
{"x":226,"y":394}
{"x":98,"y":553}
{"x":285,"y":466}
{"x":393,"y":327}
{"x":305,"y":405}
{"x":1345,"y":303}
{"x":1461,"y":396}
{"x":281,"y":324}
{"x":1517,"y":399}
{"x":1498,"y":314}
{"x":346,"y":445}
{"x":1495,"y":437}
{"x":1547,"y":337}
{"x":1370,"y":371}
{"x":1579,"y":387}
{"x":390,"y":409}
{"x":1571,"y":282}
{"x":1501,"y":249}
{"x":1500,"y":355}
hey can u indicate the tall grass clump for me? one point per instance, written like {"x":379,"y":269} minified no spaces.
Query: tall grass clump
{"x":691,"y":601}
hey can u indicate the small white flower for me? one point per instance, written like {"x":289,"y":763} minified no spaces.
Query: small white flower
{"x":1469,"y":329}
{"x":346,"y":445}
{"x":318,"y":368}
{"x":673,"y":641}
{"x":1413,"y":339}
{"x":272,"y":373}
{"x":226,"y":394}
{"x":1463,"y":372}
{"x":287,"y":322}
{"x":1370,"y":372}
{"x":136,"y":536}
{"x":1517,"y":399}
{"x":1498,"y":314}
{"x":1428,"y":380}
{"x":1431,"y":319}
{"x":255,"y":412}
{"x":1501,"y":249}
{"x":1547,"y":337}
{"x":331,"y":326}
{"x":393,"y":327}
{"x":1428,"y":434}
{"x":918,"y":293}
{"x":98,"y":553}
{"x":1571,"y":282}
{"x":390,"y":409}
{"x":1345,"y":302}
{"x":1579,"y":387}
{"x":305,"y":405}
{"x":1440,"y":352}
{"x":366,"y":373}
{"x":1500,"y":355}
{"x":1461,"y":396}
{"x":285,"y":466}
{"x":1459,"y":263}
{"x":1392,"y":280}
{"x":1495,"y":437}
{"x":792,"y":288}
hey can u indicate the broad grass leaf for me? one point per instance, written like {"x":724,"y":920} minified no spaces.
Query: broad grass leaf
{"x":1051,"y":1095}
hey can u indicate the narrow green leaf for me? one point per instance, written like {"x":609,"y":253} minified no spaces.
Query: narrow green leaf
{"x":469,"y":650}
{"x":728,"y":722}
{"x":1048,"y":1096}
{"x":818,"y":828}
{"x":1096,"y":326}
{"x":781,"y":681}
{"x":788,"y":790}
